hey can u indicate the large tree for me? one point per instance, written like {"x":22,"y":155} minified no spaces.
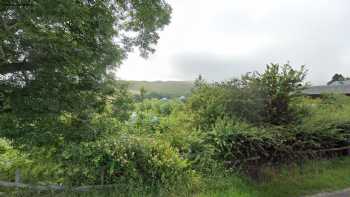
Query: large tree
{"x":55,"y":55}
{"x":278,"y":87}
{"x":336,"y":77}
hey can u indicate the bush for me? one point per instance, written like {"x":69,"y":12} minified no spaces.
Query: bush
{"x":52,"y":126}
{"x":271,"y":97}
{"x":193,"y":146}
{"x":329,"y":119}
{"x":238,"y":142}
{"x":126,"y":158}
{"x":11,"y":159}
{"x":328,"y":114}
{"x":278,"y":87}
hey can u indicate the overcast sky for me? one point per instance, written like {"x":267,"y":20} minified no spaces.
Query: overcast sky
{"x":227,"y":38}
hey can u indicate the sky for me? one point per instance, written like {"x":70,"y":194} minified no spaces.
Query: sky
{"x":226,"y":38}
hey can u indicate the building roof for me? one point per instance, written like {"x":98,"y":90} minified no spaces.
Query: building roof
{"x":337,"y":83}
{"x":338,"y":89}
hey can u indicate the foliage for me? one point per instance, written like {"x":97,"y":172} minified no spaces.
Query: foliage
{"x":71,"y":122}
{"x":237,"y":142}
{"x":68,"y":127}
{"x":337,"y":77}
{"x":267,"y":98}
{"x":289,"y":181}
{"x":158,"y":143}
{"x":210,"y":102}
{"x":152,"y":115}
{"x":278,"y":87}
{"x":126,"y":158}
{"x":119,"y":99}
{"x":169,"y":121}
{"x":328,"y":115}
{"x":207,"y":103}
{"x":11,"y":159}
{"x":142,"y":93}
{"x":55,"y":56}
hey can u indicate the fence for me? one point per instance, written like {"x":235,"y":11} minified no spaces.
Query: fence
{"x":17,"y":184}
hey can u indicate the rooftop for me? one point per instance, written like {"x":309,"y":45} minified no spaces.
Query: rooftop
{"x":339,"y":87}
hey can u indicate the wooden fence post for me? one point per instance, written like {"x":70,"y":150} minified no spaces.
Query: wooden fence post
{"x":18,"y":176}
{"x":103,"y":175}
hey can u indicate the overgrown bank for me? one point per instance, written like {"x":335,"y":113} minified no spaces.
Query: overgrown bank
{"x":167,"y":146}
{"x":289,"y":181}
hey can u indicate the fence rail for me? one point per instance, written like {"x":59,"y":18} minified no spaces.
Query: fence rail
{"x":53,"y":187}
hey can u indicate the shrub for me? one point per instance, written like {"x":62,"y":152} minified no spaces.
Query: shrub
{"x":328,"y":114}
{"x":176,"y":128}
{"x":11,"y":159}
{"x":329,"y":119}
{"x":193,"y":146}
{"x":57,"y":125}
{"x":278,"y":86}
{"x":206,"y":104}
{"x":271,"y":97}
{"x":126,"y":158}
{"x":238,"y":142}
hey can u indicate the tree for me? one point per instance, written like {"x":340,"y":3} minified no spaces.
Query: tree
{"x":278,"y":86}
{"x":263,"y":98}
{"x":336,"y":77}
{"x":55,"y":55}
{"x":142,"y":93}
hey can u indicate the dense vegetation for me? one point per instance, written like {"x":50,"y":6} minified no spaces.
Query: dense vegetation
{"x":166,"y":144}
{"x":65,"y":121}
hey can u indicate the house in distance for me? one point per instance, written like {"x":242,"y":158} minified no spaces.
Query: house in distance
{"x":335,"y":87}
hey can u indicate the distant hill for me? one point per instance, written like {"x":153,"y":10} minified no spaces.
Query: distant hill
{"x":162,"y":88}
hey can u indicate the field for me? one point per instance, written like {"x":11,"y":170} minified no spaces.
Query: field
{"x":170,"y":89}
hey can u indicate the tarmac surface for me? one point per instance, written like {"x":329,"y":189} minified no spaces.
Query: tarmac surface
{"x":342,"y":193}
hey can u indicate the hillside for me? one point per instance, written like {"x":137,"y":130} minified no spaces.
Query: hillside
{"x":162,"y":88}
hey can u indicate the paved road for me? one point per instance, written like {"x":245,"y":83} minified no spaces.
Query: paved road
{"x":343,"y":193}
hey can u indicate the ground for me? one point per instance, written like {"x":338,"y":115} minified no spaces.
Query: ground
{"x":342,"y":193}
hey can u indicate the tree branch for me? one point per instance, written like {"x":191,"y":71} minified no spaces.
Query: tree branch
{"x":15,"y":67}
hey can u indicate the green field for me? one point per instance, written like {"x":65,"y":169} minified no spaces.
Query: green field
{"x":162,"y":88}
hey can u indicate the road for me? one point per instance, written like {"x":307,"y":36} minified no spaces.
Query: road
{"x":342,"y":193}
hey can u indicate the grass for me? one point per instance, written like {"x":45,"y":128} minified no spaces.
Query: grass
{"x":312,"y":178}
{"x":287,"y":181}
{"x":166,"y":88}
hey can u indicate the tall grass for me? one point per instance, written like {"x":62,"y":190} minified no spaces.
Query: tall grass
{"x":287,"y":181}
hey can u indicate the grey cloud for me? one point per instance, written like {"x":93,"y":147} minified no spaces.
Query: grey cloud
{"x":211,"y":66}
{"x":322,"y":60}
{"x":304,"y":32}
